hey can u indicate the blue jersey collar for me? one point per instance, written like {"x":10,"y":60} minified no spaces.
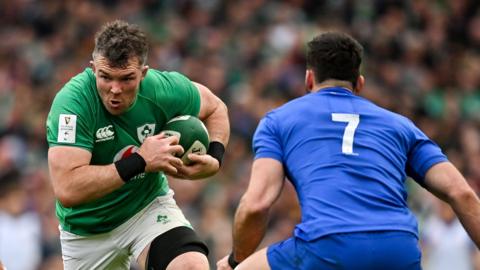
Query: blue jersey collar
{"x":335,"y":90}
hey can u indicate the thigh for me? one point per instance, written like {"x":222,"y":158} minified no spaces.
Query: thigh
{"x":179,"y":248}
{"x":189,"y":260}
{"x":162,"y":216}
{"x":92,"y":252}
{"x":257,"y":261}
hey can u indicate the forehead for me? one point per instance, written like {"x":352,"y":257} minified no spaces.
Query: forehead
{"x":103,"y":65}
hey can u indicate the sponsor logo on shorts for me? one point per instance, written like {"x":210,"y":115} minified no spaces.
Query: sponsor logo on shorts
{"x":163,"y":219}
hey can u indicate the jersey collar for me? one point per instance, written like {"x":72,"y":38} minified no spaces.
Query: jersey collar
{"x":336,"y":90}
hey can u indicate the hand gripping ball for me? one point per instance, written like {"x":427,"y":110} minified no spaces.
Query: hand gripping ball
{"x":192,"y":133}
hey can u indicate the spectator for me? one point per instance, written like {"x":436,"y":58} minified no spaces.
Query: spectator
{"x":447,"y":245}
{"x":20,"y":231}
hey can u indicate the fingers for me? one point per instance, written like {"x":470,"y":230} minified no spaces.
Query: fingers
{"x":195,"y":157}
{"x":176,"y":150}
{"x":173,"y":165}
{"x":178,"y":175}
{"x":169,"y":169}
{"x":171,"y":142}
{"x":171,"y":139}
{"x":204,"y":159}
{"x":162,"y":136}
{"x":176,"y":162}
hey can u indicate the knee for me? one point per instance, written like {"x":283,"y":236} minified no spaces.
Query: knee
{"x":189,"y":261}
{"x":179,"y":248}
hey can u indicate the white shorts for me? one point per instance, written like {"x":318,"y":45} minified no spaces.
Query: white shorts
{"x":115,"y":249}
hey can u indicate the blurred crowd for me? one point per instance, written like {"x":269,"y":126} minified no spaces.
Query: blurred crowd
{"x":422,"y":59}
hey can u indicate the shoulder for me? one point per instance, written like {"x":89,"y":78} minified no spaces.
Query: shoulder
{"x":82,"y":86}
{"x":286,"y":109}
{"x":165,"y":82}
{"x":171,"y":91}
{"x":397,"y":125}
{"x":392,"y":118}
{"x":273,"y":119}
{"x":290,"y":112}
{"x":164,"y":77}
{"x":78,"y":95}
{"x":85,"y":79}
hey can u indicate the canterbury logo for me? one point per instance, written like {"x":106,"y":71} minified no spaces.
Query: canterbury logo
{"x":105,"y":134}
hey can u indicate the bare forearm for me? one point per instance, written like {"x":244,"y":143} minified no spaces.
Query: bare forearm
{"x":448,"y":184}
{"x":214,"y":113}
{"x":218,"y":124}
{"x":467,"y":209}
{"x":249,"y":230}
{"x":87,"y":183}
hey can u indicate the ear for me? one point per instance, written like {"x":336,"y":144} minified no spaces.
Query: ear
{"x":92,"y":65}
{"x":144,"y":71}
{"x":309,"y":80}
{"x":359,"y":85}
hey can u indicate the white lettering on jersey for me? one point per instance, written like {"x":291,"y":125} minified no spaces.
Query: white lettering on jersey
{"x":348,"y":135}
{"x":67,"y":128}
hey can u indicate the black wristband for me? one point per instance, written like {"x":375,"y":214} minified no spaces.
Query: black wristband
{"x":216,"y":150}
{"x":231,"y":261}
{"x":130,"y":166}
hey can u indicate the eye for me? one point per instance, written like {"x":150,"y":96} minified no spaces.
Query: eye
{"x":104,"y":77}
{"x":128,"y":79}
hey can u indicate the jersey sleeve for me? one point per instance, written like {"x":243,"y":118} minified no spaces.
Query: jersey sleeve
{"x":69,"y":122}
{"x":266,"y":141}
{"x":178,"y":95}
{"x":422,"y":155}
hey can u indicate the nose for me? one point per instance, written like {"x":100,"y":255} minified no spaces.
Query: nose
{"x":116,"y":88}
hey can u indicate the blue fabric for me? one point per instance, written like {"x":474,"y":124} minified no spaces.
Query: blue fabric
{"x":348,"y":160}
{"x":388,"y":250}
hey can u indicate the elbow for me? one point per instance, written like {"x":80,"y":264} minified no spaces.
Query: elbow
{"x":461,"y":195}
{"x":220,"y":107}
{"x":67,"y":203}
{"x":65,"y":198}
{"x":254,"y":207}
{"x":223,"y":107}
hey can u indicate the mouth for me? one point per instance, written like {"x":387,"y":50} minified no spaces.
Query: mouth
{"x":115,"y":103}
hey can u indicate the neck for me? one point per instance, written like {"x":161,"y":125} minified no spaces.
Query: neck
{"x":332,"y":83}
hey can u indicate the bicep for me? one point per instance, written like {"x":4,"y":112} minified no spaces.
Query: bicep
{"x":444,"y":180}
{"x":64,"y":159}
{"x":266,"y":182}
{"x":208,"y":101}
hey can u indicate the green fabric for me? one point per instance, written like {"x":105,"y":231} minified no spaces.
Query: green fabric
{"x":434,"y":104}
{"x":470,"y":105}
{"x":162,"y":96}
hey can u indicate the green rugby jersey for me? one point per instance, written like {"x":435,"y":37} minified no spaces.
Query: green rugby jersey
{"x":78,"y":118}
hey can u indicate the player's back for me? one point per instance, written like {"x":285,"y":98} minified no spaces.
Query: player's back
{"x":347,"y":159}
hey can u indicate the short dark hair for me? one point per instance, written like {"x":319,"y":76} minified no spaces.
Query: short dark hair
{"x":118,"y":41}
{"x":334,"y":55}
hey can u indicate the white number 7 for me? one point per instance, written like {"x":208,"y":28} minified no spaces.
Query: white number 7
{"x":352,"y":120}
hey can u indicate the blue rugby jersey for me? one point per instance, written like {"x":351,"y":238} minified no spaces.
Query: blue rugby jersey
{"x":348,"y":160}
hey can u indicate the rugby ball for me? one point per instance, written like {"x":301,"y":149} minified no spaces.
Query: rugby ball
{"x":192,"y":134}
